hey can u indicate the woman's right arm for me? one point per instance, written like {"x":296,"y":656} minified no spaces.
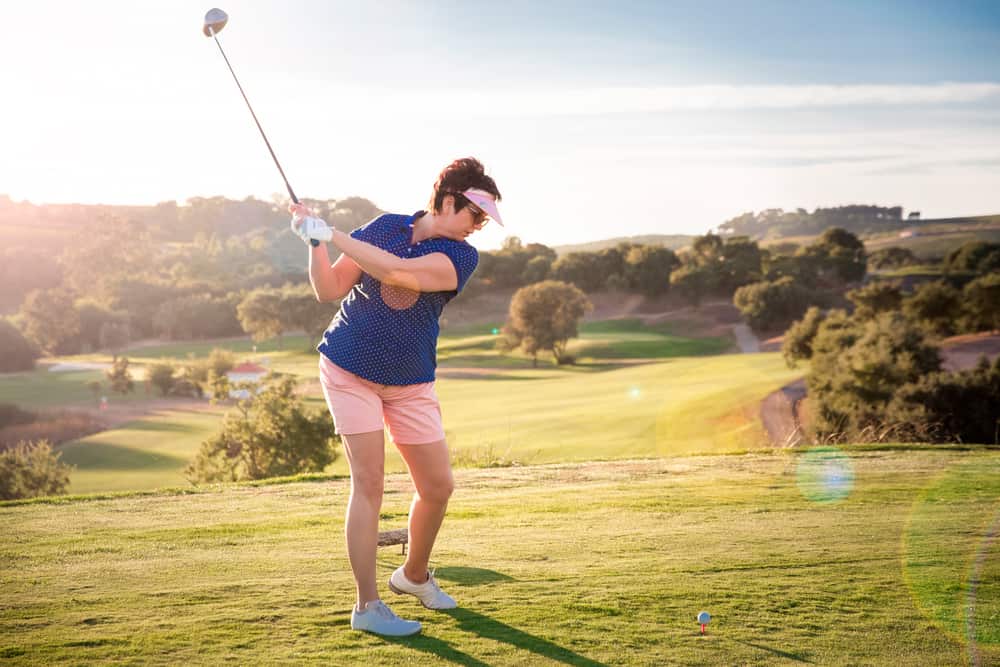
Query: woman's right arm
{"x":330,"y":283}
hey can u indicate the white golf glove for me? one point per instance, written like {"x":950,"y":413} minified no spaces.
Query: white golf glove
{"x":311,"y":228}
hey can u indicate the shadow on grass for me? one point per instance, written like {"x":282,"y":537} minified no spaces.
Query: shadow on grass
{"x":488,"y":628}
{"x":470,"y":576}
{"x":104,"y":456}
{"x":774,"y":651}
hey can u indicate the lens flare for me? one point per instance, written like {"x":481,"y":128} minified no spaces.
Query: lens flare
{"x":825,"y":475}
{"x":400,"y":290}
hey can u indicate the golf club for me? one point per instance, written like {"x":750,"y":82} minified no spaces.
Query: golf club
{"x":215,"y":21}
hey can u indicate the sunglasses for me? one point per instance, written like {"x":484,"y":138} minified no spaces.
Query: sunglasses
{"x":479,"y":216}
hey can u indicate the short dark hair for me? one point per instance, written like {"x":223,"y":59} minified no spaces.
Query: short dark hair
{"x":460,"y":175}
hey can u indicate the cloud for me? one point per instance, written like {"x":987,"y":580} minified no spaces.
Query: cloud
{"x":465,"y":101}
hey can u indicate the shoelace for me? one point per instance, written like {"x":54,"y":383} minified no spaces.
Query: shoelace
{"x":384,"y":611}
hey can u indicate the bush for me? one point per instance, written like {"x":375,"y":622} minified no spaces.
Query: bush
{"x":267,"y":434}
{"x":892,"y":257}
{"x":937,"y":306}
{"x":797,"y":345}
{"x":30,"y":469}
{"x":119,"y":377}
{"x":977,"y":257}
{"x":857,"y":368}
{"x":161,"y":376}
{"x":11,"y":415}
{"x":951,"y":407}
{"x":874,"y":298}
{"x":17,"y":353}
{"x":771,"y":306}
{"x":982,"y":303}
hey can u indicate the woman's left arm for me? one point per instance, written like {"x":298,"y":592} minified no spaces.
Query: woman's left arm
{"x":430,"y":273}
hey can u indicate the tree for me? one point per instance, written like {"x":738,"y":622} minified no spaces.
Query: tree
{"x":17,"y":353}
{"x":94,"y":317}
{"x":119,"y":377}
{"x":647,"y":269}
{"x":260,"y":314}
{"x":838,"y":257}
{"x":109,"y":248}
{"x":302,"y":311}
{"x":537,"y":269}
{"x":771,"y":306}
{"x":31,"y":469}
{"x":544,"y":316}
{"x":51,"y":322}
{"x":739,"y":263}
{"x":580,"y":269}
{"x":267,"y":434}
{"x":691,"y":282}
{"x":114,"y":336}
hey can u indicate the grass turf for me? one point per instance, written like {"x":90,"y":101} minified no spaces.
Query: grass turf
{"x":580,"y":564}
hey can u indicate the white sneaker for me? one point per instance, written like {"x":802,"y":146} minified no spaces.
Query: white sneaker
{"x":379,"y":619}
{"x":429,"y":593}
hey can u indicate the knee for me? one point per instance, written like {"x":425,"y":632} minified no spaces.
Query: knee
{"x":368,"y":486}
{"x":439,"y":492}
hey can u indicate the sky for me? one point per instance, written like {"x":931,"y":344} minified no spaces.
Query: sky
{"x":597,"y":119}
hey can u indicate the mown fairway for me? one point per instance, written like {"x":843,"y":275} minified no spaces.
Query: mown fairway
{"x":636,"y":391}
{"x":880,"y":556}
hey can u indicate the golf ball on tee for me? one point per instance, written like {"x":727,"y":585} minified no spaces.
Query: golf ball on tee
{"x":704,"y":617}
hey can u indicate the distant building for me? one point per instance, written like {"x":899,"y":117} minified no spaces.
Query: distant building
{"x":245,"y":372}
{"x":914,"y":215}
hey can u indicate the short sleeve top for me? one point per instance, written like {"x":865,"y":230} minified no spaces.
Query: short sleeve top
{"x":385,"y":333}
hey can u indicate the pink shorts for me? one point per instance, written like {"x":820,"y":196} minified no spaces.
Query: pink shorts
{"x":411,"y":411}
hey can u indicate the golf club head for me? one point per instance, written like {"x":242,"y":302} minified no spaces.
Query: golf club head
{"x":215,"y":21}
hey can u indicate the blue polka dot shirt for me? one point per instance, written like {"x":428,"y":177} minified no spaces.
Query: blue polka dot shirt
{"x":385,"y":333}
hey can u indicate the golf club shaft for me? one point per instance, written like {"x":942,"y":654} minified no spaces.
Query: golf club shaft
{"x":271,"y":150}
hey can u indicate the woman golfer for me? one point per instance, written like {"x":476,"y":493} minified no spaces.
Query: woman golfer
{"x":377,"y":366}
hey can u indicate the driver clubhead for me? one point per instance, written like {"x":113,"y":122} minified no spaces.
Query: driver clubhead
{"x":215,"y":21}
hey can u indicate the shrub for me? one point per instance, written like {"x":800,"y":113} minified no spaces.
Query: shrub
{"x":797,"y":345}
{"x":267,"y":434}
{"x":161,"y":376}
{"x":857,"y":368}
{"x":30,"y":469}
{"x":937,"y":306}
{"x":874,"y":298}
{"x":978,"y":257}
{"x":892,"y":257}
{"x":119,"y":377}
{"x":982,"y":303}
{"x":951,"y":407}
{"x":11,"y":415}
{"x":17,"y":353}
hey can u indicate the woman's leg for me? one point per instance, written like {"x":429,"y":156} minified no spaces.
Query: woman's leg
{"x":430,"y":469}
{"x":366,"y":457}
